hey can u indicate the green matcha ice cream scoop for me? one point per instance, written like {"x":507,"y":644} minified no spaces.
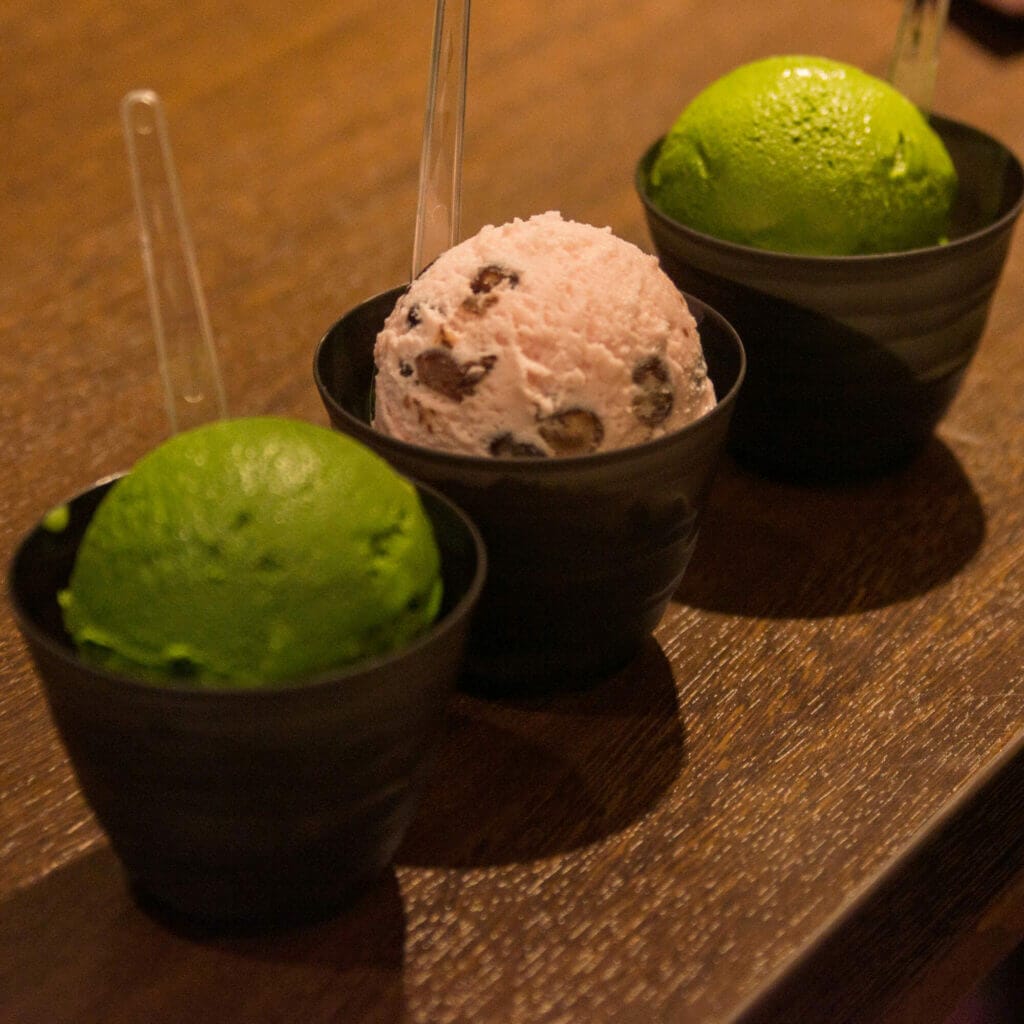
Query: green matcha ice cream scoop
{"x":249,"y":552}
{"x":806,"y":155}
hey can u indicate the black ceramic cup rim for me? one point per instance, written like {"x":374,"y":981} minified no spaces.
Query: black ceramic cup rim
{"x":1001,"y":223}
{"x":63,"y":649}
{"x":530,"y":467}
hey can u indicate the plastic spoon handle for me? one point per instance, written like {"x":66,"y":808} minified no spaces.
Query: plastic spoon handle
{"x":188,"y":360}
{"x":438,"y":205}
{"x":915,"y":59}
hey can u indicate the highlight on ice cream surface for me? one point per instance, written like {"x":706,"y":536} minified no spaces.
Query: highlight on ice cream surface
{"x":539,"y":338}
{"x":809,"y":156}
{"x":249,"y":552}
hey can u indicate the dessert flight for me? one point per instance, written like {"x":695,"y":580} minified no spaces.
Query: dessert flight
{"x":254,"y":552}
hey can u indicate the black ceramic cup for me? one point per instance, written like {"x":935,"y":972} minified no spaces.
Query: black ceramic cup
{"x":250,"y":806}
{"x":584,"y":551}
{"x":853,"y":360}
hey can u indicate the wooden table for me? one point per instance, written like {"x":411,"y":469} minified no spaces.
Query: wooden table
{"x":805,"y":799}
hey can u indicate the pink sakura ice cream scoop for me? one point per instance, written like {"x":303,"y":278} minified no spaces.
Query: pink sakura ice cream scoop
{"x":541,"y":337}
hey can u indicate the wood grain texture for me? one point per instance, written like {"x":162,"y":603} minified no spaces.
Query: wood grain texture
{"x":802,"y":801}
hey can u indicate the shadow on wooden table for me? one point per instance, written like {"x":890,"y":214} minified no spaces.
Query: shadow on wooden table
{"x":516,"y":781}
{"x":777,"y":550}
{"x":73,"y":947}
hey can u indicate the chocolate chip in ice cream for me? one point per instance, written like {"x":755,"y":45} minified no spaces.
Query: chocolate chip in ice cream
{"x":440,"y":371}
{"x":487,"y":280}
{"x":653,"y":401}
{"x":572,"y":431}
{"x":507,"y":446}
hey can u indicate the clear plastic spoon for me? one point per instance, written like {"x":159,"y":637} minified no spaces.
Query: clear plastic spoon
{"x":191,"y":376}
{"x":915,"y":58}
{"x":440,"y":187}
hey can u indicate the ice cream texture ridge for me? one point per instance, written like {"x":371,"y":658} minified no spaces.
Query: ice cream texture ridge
{"x":806,"y":155}
{"x":251,"y":552}
{"x":538,"y":338}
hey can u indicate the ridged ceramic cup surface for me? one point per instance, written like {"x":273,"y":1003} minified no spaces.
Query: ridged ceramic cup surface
{"x":584,"y":552}
{"x":853,"y":360}
{"x":250,"y":806}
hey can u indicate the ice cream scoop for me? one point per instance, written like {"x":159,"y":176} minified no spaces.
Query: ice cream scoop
{"x":252,"y":551}
{"x":538,"y":338}
{"x":809,"y":156}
